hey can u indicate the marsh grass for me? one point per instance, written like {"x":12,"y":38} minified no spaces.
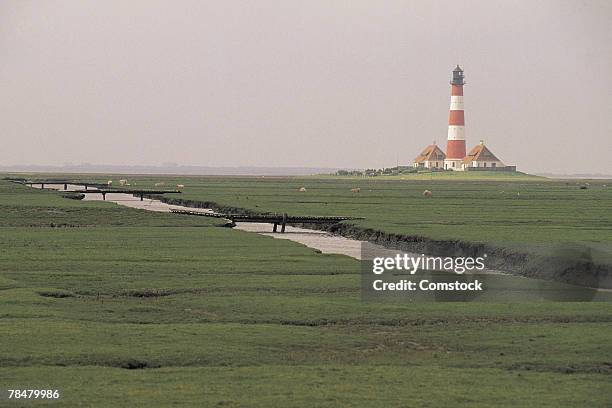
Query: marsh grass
{"x":130,"y":308}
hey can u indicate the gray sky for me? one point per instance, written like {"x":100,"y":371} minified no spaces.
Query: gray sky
{"x":310,"y":83}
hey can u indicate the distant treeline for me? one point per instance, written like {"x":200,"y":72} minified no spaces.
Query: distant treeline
{"x":388,"y":171}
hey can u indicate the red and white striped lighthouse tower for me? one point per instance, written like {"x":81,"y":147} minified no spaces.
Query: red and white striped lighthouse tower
{"x":455,"y":147}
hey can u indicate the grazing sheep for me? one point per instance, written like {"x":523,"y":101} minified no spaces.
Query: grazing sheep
{"x":161,"y":183}
{"x":427,"y":193}
{"x":123,"y":182}
{"x":109,"y":183}
{"x":355,"y":190}
{"x":302,"y":189}
{"x":180,"y":186}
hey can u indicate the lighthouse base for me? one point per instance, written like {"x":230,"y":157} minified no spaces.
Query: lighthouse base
{"x":453,"y":164}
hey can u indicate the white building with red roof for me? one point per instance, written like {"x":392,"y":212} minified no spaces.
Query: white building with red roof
{"x":432,"y":157}
{"x":481,"y":156}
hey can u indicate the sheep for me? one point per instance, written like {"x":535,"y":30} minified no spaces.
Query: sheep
{"x":355,"y":190}
{"x":302,"y":189}
{"x":109,"y":183}
{"x":180,"y":186}
{"x":123,"y":182}
{"x":161,"y":183}
{"x":427,"y":193}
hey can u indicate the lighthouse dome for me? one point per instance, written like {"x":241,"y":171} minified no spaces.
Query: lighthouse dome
{"x":458,"y":78}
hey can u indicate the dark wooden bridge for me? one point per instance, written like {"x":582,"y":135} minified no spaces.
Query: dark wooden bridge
{"x":95,"y":188}
{"x":140,"y":193}
{"x":64,"y":182}
{"x":275,"y":219}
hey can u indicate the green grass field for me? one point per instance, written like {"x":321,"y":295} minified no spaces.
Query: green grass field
{"x":504,"y":209}
{"x":122,"y":307}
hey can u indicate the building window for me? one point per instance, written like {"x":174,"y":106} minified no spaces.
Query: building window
{"x":453,"y":164}
{"x":485,"y":164}
{"x":493,"y":164}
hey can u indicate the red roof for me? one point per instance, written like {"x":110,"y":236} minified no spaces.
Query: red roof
{"x":430,"y":153}
{"x":480,"y":153}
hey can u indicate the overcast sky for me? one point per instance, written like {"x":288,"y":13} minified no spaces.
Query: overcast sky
{"x":303,"y":83}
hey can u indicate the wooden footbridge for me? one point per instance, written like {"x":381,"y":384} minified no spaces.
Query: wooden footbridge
{"x":95,"y":188}
{"x":42,"y":183}
{"x":140,"y":193}
{"x":275,"y":219}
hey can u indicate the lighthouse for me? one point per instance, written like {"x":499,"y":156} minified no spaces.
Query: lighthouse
{"x":456,"y":159}
{"x":455,"y":146}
